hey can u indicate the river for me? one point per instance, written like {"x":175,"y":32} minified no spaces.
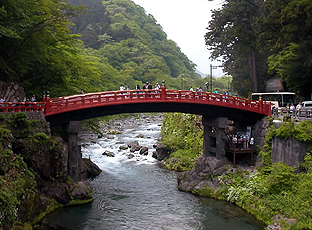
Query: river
{"x":134,"y":192}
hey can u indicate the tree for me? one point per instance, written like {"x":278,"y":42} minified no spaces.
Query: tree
{"x":231,"y":35}
{"x":36,"y":47}
{"x":286,"y":34}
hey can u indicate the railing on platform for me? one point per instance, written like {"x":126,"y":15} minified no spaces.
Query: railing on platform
{"x":83,"y":101}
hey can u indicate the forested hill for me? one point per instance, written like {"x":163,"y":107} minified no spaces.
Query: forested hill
{"x":118,"y":44}
{"x":130,"y":39}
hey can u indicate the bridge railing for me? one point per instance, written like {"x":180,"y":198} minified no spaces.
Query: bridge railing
{"x":81,"y":101}
{"x":9,"y":107}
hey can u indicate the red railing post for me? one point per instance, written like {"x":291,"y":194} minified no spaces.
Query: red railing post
{"x":260,"y":105}
{"x":47,"y":104}
{"x":163,"y":92}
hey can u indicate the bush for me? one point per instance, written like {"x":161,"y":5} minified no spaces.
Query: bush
{"x":182,"y":133}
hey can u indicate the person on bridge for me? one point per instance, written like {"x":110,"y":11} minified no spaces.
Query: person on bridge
{"x":216,"y":91}
{"x":122,"y":88}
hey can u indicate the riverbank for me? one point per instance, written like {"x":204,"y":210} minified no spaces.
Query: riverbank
{"x":33,"y":173}
{"x":133,"y":192}
{"x":274,"y":193}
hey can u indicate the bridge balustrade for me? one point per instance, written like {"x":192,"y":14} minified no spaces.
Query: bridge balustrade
{"x":9,"y":107}
{"x":82,"y":101}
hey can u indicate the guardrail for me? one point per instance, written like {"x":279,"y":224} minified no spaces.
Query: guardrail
{"x":296,"y":114}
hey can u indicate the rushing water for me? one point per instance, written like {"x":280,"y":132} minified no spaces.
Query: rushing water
{"x":138,"y":194}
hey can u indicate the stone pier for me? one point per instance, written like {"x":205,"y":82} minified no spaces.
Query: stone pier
{"x":214,"y":136}
{"x":75,"y":165}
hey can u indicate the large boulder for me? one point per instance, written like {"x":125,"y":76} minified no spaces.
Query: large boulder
{"x":134,"y":146}
{"x":81,"y":191}
{"x":204,"y":174}
{"x":144,"y":151}
{"x":162,"y":152}
{"x":92,"y":169}
{"x":108,"y":153}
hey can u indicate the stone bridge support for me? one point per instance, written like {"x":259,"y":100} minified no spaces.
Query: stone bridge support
{"x":75,"y":165}
{"x":214,"y":136}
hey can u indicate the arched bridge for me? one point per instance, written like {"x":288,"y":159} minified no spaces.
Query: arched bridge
{"x":84,"y":106}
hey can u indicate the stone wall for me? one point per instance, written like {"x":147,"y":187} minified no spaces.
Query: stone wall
{"x":290,"y":151}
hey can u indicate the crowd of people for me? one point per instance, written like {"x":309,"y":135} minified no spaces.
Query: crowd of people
{"x":17,"y":99}
{"x":157,"y":86}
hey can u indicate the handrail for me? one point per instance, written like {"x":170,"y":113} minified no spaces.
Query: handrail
{"x":9,"y":107}
{"x":84,"y":101}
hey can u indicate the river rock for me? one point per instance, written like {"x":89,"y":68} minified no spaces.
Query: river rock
{"x":130,"y":156}
{"x":92,"y":169}
{"x":134,"y":146}
{"x":144,"y":151}
{"x":162,"y":152}
{"x":123,"y":147}
{"x":114,"y":131}
{"x":204,"y":174}
{"x":110,"y":137}
{"x":56,"y":190}
{"x":140,"y":136}
{"x":108,"y":153}
{"x":81,"y":190}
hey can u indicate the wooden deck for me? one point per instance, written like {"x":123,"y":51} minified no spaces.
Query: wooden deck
{"x":235,"y":151}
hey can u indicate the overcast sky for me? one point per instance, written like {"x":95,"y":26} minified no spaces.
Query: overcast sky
{"x":185,"y":22}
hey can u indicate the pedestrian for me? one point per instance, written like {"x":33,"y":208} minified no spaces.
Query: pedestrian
{"x":33,"y":98}
{"x":122,"y":88}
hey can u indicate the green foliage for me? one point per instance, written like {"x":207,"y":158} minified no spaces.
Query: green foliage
{"x":307,"y":164}
{"x":301,"y":131}
{"x":232,"y":36}
{"x":182,"y":160}
{"x":18,"y":188}
{"x":19,"y":120}
{"x":39,"y":143}
{"x":275,"y":190}
{"x":182,"y":133}
{"x":285,"y":34}
{"x":129,"y":45}
{"x":265,"y":195}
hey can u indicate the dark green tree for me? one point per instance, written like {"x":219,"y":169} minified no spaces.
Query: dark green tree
{"x":232,"y":36}
{"x":37,"y":49}
{"x":286,"y":34}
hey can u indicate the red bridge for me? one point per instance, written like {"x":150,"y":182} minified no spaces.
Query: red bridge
{"x":84,"y":106}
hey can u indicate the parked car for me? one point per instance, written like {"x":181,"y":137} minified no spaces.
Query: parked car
{"x":306,"y":110}
{"x":307,"y":104}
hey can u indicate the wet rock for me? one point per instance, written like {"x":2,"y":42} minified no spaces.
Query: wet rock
{"x":81,"y":191}
{"x":134,"y":146}
{"x":58,"y":191}
{"x":92,"y":169}
{"x":162,"y":152}
{"x":123,"y":147}
{"x":108,"y":153}
{"x":144,"y":151}
{"x":110,"y":137}
{"x":130,"y":156}
{"x":114,"y":132}
{"x":140,"y":136}
{"x":204,"y":174}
